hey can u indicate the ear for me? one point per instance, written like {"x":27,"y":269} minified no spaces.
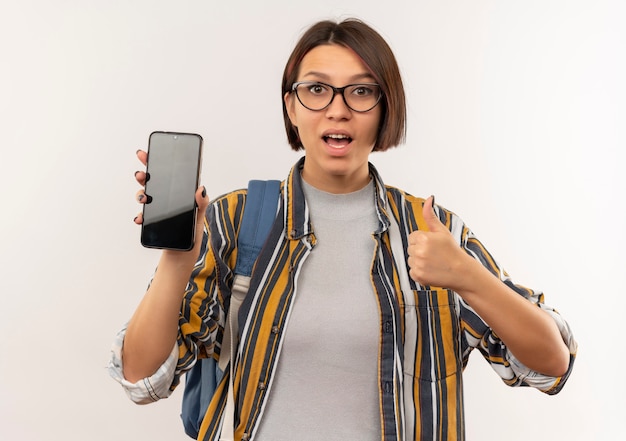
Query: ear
{"x":291,"y":109}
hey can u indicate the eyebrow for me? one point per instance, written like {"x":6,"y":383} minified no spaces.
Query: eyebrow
{"x":326,"y":77}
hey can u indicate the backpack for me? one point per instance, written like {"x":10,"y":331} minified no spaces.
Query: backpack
{"x":202,"y":379}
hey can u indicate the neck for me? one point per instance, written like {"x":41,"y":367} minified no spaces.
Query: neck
{"x":338,"y":184}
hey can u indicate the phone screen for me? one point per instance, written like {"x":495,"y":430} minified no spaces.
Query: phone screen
{"x":173,"y":171}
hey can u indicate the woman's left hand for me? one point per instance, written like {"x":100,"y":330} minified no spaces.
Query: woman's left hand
{"x":435,"y":258}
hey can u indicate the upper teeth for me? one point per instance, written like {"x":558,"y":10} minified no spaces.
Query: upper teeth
{"x":337,"y":136}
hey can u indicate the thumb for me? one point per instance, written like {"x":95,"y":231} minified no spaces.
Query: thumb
{"x":202,"y":200}
{"x":432,"y":221}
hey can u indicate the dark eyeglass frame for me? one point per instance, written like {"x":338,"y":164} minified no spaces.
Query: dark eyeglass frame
{"x":336,"y":90}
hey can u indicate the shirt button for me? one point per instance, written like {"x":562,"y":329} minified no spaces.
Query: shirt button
{"x":388,"y":387}
{"x":261,"y":386}
{"x":275,"y":329}
{"x":388,"y":327}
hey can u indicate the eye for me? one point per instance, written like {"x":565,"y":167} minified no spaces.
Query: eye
{"x":317,"y":89}
{"x":363,"y":90}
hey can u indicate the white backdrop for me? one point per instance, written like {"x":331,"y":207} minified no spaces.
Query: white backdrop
{"x":516,"y":115}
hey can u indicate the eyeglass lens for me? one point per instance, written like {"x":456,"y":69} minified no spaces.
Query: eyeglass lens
{"x":358,"y":97}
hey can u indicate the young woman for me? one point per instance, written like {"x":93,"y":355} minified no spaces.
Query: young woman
{"x":342,"y":335}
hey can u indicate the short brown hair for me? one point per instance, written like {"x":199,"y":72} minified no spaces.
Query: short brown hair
{"x":370,"y":46}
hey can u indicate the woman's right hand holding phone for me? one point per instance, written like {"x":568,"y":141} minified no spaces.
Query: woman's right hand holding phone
{"x":202,"y":202}
{"x":152,"y":331}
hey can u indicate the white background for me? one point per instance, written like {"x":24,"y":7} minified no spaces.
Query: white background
{"x":516,"y":119}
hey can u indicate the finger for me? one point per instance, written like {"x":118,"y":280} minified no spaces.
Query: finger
{"x":202,"y":199}
{"x":142,"y":197}
{"x":141,"y":177}
{"x":417,"y":277}
{"x":414,"y":239}
{"x":432,"y":221}
{"x":138,"y":219}
{"x":143,"y":156}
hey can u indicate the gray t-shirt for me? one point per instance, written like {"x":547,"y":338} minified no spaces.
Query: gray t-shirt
{"x":325,"y":386}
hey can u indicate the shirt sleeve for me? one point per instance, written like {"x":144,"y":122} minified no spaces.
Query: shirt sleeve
{"x":149,"y":389}
{"x":549,"y":385}
{"x":204,"y":306}
{"x":202,"y":313}
{"x":477,"y":334}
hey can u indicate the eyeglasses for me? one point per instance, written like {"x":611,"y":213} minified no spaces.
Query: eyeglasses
{"x":317,"y":96}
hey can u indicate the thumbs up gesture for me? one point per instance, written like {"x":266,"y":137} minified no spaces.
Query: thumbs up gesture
{"x":435,"y":257}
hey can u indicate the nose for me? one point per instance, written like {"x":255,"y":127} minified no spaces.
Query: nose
{"x":338,"y":107}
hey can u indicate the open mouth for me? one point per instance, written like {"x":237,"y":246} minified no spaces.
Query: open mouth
{"x":337,"y":140}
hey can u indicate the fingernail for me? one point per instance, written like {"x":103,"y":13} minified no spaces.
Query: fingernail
{"x":135,"y":219}
{"x":203,"y":191}
{"x":140,"y":197}
{"x":433,"y":196}
{"x":137,"y":152}
{"x":136,"y":173}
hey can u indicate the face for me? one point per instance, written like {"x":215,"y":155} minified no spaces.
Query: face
{"x":337,"y":140}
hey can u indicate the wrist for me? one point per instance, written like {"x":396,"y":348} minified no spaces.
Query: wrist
{"x":176,"y":265}
{"x":471,"y":275}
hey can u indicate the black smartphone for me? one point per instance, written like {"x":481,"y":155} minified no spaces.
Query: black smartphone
{"x":173,"y":174}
